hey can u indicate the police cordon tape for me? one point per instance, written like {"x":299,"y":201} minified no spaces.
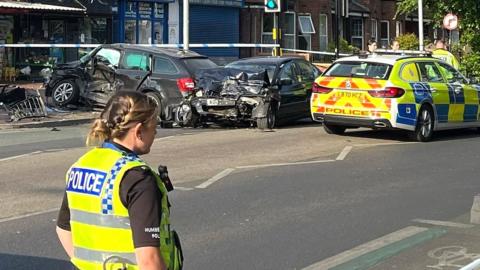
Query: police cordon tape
{"x":314,"y":52}
{"x":218,"y":45}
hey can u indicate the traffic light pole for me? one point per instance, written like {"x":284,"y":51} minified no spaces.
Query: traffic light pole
{"x":338,"y":9}
{"x":275,"y":34}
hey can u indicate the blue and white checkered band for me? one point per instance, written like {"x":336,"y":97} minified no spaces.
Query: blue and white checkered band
{"x":107,"y":200}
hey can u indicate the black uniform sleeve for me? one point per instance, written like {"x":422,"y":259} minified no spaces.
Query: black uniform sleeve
{"x":63,"y":220}
{"x":140,"y":194}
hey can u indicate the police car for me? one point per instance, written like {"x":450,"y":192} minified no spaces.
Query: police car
{"x":421,"y":94}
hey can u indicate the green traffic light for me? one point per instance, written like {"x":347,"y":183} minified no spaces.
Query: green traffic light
{"x":271,"y":4}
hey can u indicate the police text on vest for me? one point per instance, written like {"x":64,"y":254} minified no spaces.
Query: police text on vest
{"x":86,"y":181}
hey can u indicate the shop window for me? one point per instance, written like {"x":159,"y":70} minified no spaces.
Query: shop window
{"x":323,"y":32}
{"x":289,"y":35}
{"x":357,"y":32}
{"x":135,"y":61}
{"x":144,"y":22}
{"x":384,"y":33}
{"x":164,"y":66}
{"x":145,"y":32}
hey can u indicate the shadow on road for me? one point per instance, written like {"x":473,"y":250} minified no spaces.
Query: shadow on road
{"x":9,"y":261}
{"x":404,"y":136}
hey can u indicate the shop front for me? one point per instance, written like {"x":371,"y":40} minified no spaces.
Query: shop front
{"x":143,"y":22}
{"x":51,"y":22}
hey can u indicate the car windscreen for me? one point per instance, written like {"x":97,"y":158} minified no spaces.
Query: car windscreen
{"x":255,"y":67}
{"x":194,"y":64}
{"x":359,"y":69}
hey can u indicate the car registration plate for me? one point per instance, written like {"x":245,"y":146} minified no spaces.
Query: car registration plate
{"x":220,"y":102}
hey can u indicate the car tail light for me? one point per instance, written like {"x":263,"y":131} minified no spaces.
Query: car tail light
{"x":388,"y":92}
{"x":316,"y":88}
{"x":185,"y":84}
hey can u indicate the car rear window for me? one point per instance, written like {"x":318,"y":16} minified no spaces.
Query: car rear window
{"x":360,"y":70}
{"x":194,"y":64}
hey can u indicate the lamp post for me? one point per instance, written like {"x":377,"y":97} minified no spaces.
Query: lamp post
{"x":186,"y":21}
{"x":420,"y":24}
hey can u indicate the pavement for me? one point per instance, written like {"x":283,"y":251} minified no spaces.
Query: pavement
{"x":55,"y":117}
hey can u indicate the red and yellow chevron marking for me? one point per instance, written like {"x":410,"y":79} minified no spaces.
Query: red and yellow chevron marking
{"x":355,"y":83}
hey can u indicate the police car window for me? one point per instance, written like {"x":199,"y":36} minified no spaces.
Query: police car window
{"x":164,"y":66}
{"x":429,"y":72}
{"x":409,"y":73}
{"x":135,"y":61}
{"x":113,"y":56}
{"x":451,"y":74}
{"x":360,"y":70}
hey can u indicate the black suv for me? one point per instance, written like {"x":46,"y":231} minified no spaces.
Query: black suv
{"x":164,"y":74}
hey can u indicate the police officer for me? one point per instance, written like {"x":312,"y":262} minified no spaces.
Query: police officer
{"x":442,"y":53}
{"x":115,"y":212}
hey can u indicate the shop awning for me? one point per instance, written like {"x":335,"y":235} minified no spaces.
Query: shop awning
{"x":35,"y":6}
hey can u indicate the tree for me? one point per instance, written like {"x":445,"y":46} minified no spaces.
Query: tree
{"x":469,"y":24}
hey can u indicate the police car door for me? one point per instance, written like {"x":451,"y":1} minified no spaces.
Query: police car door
{"x":435,"y":88}
{"x":466,"y":96}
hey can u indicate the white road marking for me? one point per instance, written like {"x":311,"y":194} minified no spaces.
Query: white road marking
{"x":182,"y":188}
{"x":443,"y":223}
{"x":29,"y":215}
{"x":163,"y":138}
{"x":215,"y":178}
{"x":366,"y":248}
{"x":344,"y":152}
{"x":20,"y":156}
{"x":284,"y":164}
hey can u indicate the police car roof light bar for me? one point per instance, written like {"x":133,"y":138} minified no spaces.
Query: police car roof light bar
{"x":403,"y":52}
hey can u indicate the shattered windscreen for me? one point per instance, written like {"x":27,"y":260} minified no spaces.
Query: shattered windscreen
{"x":255,"y":68}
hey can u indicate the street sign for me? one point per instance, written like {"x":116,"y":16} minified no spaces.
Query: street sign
{"x":272,"y":5}
{"x":450,"y":21}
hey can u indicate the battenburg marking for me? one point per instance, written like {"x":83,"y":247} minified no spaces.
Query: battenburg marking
{"x":86,"y":181}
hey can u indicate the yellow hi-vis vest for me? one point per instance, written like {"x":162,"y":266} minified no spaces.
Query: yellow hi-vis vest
{"x":447,"y":57}
{"x":100,"y":225}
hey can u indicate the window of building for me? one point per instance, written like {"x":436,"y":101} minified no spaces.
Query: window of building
{"x":306,"y":24}
{"x":144,"y":22}
{"x":306,"y":31}
{"x":357,"y":32}
{"x":267,"y":27}
{"x":323,"y":32}
{"x":384,"y":34}
{"x":289,"y":34}
{"x":374,"y":29}
{"x":398,"y":28}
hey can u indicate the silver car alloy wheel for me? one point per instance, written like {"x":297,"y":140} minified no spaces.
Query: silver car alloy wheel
{"x":426,"y":123}
{"x":63,"y":92}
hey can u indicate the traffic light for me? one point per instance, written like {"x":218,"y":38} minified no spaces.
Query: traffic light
{"x":272,"y":5}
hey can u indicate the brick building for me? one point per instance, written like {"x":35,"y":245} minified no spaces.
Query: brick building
{"x":311,"y":25}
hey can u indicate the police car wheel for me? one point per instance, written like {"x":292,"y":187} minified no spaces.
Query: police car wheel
{"x":424,"y":129}
{"x":334,"y":129}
